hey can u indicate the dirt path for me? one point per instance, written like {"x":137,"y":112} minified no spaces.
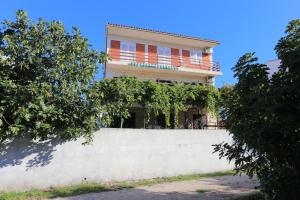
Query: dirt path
{"x":225,"y":187}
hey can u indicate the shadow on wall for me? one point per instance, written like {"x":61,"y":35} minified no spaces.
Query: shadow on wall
{"x":22,"y":149}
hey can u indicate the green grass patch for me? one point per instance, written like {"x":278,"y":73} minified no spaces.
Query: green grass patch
{"x":201,"y":190}
{"x":84,"y":188}
{"x":65,"y":191}
{"x":148,"y":182}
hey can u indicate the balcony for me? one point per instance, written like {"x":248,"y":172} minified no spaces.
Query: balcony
{"x":141,"y":59}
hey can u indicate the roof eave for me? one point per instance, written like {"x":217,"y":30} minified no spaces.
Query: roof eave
{"x":213,"y":42}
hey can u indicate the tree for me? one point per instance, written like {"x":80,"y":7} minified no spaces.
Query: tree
{"x":263,"y":116}
{"x":45,"y":74}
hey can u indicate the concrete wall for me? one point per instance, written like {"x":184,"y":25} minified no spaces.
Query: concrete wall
{"x":114,"y":155}
{"x":117,"y":70}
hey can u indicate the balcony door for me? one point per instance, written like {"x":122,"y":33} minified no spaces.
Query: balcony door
{"x":164,"y":55}
{"x":195,"y":57}
{"x":128,"y":51}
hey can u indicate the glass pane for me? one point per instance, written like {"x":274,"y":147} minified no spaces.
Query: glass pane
{"x":195,"y":57}
{"x":127,"y":51}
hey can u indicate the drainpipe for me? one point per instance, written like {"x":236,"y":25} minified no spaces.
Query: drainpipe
{"x":105,"y":43}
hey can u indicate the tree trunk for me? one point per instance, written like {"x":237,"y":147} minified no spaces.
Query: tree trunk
{"x":122,"y":122}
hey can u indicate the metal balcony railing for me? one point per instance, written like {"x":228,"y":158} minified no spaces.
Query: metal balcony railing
{"x":159,"y":61}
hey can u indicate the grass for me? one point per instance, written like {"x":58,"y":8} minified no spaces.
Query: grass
{"x":55,"y":192}
{"x":149,"y":182}
{"x":84,"y":188}
{"x":201,"y":190}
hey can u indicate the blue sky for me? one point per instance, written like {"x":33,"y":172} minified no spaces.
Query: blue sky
{"x":240,"y":25}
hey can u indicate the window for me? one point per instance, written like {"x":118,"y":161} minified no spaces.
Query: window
{"x":196,"y":57}
{"x":164,"y":55}
{"x":128,"y":50}
{"x":164,"y":81}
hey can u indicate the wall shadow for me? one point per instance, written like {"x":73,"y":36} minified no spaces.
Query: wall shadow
{"x":23,"y":149}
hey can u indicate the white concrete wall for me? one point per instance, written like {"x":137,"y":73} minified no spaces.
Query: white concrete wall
{"x":186,"y":75}
{"x":114,"y":155}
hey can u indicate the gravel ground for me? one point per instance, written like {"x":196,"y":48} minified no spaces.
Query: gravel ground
{"x":223,"y":187}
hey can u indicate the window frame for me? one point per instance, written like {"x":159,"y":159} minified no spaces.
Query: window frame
{"x":198,"y":59}
{"x":164,"y":55}
{"x":129,"y":53}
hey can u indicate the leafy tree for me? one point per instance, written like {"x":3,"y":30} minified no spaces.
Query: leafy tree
{"x":45,"y":73}
{"x":263,"y":116}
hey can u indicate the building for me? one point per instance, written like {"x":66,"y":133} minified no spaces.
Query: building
{"x":162,"y":57}
{"x":273,"y":66}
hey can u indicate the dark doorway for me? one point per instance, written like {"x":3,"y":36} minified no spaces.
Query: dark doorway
{"x":172,"y":120}
{"x":130,"y":122}
{"x":197,"y":121}
{"x":116,"y":123}
{"x":161,"y":121}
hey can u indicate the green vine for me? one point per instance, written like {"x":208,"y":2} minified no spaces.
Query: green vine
{"x":114,"y":97}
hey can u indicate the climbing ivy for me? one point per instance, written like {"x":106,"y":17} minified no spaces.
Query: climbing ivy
{"x":114,"y":97}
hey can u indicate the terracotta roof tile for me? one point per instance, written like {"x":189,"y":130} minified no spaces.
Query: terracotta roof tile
{"x":161,"y":32}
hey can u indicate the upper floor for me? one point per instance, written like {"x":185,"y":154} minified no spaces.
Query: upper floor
{"x":139,"y":51}
{"x":273,"y":66}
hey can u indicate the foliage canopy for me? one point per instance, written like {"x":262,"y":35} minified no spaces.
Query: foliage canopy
{"x":114,"y":97}
{"x":263,"y":115}
{"x":45,"y":73}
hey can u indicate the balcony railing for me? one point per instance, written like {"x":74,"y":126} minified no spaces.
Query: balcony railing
{"x":163,"y":62}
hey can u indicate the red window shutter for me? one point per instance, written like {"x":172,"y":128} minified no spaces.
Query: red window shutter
{"x":206,"y":61}
{"x":185,"y":57}
{"x":140,"y":53}
{"x":114,"y":51}
{"x":152,"y":54}
{"x":175,"y":58}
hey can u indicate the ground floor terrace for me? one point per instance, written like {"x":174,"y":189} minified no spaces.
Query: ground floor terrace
{"x":192,"y":118}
